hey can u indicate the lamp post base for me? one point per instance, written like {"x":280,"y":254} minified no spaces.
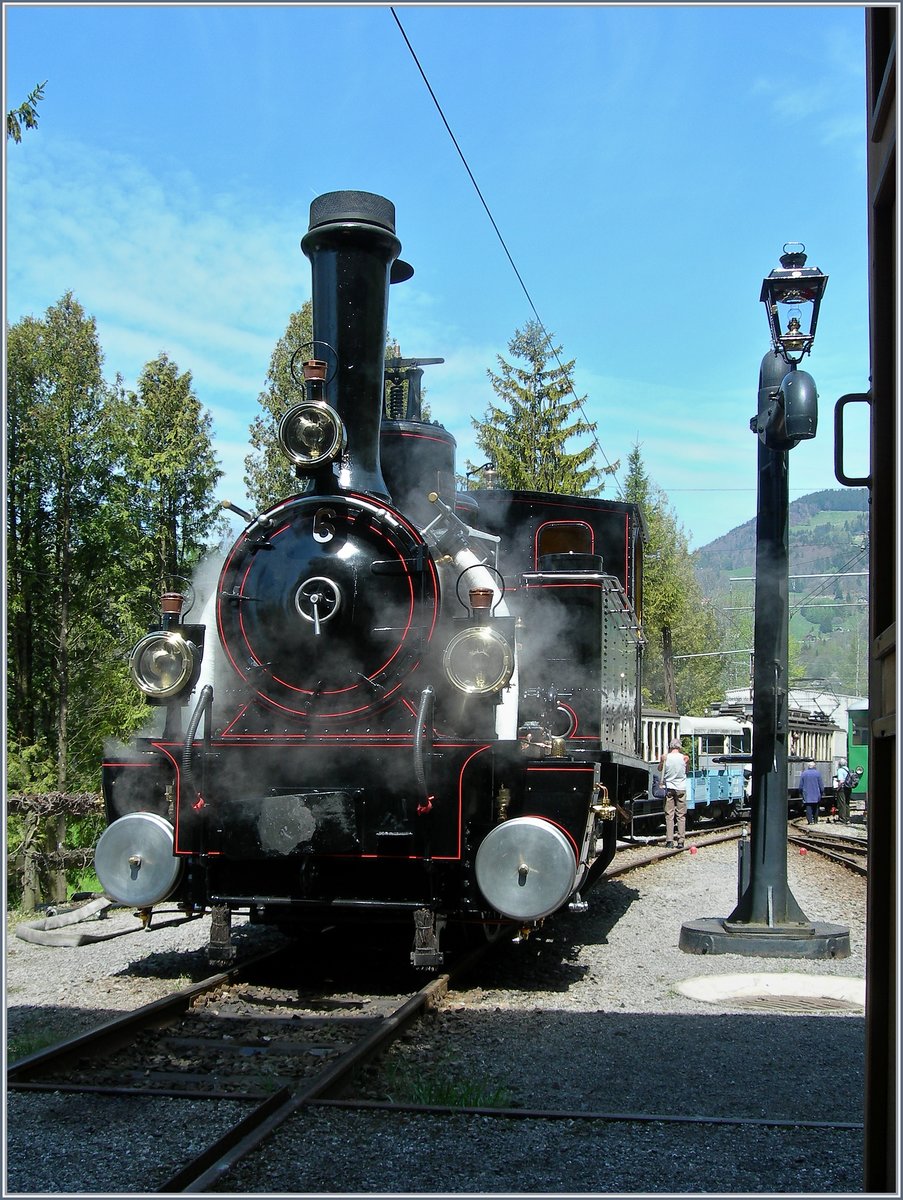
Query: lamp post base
{"x":717,"y":935}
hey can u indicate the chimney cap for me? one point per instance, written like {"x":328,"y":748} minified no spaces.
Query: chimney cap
{"x":352,"y":206}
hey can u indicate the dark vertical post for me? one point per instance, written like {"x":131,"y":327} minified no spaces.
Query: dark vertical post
{"x":768,"y":900}
{"x":768,"y":921}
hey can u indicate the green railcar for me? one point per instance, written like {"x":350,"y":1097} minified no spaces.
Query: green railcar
{"x":858,"y":750}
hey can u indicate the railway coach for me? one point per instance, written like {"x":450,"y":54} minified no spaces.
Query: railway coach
{"x":719,"y":748}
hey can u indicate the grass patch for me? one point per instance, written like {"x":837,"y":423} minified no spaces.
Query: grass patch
{"x":406,"y":1084}
{"x":86,"y":881}
{"x":15,"y":916}
{"x":30,"y":1042}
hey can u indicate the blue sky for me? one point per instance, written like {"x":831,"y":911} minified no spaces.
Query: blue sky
{"x":644,"y":164}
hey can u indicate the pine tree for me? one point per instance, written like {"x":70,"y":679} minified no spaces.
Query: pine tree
{"x":526,"y":434}
{"x":675,"y":612}
{"x":269,"y":476}
{"x":59,"y":448}
{"x":107,"y":495}
{"x":26,"y":114}
{"x":172,"y":469}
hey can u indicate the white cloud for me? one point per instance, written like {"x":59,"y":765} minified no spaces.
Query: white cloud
{"x":819,"y":111}
{"x":212,"y":279}
{"x":844,"y":129}
{"x":160,"y":268}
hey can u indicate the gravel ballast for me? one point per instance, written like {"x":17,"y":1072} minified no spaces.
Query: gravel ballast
{"x":584,"y":1016}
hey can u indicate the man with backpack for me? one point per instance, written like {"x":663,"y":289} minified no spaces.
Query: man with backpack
{"x":843,"y":790}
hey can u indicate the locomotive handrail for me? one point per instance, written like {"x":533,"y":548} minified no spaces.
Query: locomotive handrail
{"x":307,"y":347}
{"x":840,"y":474}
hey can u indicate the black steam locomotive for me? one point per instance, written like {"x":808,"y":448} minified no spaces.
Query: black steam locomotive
{"x":402,"y":703}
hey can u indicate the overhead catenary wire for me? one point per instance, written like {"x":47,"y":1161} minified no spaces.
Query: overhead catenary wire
{"x":805,"y":602}
{"x":610,"y":469}
{"x":818,"y":589}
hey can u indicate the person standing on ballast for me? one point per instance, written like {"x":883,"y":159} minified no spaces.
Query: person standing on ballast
{"x":811,"y":787}
{"x":843,"y":790}
{"x":673,"y":770}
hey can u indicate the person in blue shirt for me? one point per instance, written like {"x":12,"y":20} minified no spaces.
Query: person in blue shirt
{"x":811,"y":787}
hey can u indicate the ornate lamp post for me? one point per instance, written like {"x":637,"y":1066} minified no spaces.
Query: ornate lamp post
{"x":767,"y":920}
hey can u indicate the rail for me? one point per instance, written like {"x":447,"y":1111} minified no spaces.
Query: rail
{"x":302,"y":1072}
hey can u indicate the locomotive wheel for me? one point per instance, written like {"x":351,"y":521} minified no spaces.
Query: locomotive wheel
{"x":494,"y":933}
{"x":460,"y":936}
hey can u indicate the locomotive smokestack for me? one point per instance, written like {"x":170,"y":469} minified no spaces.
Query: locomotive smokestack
{"x":352,"y":248}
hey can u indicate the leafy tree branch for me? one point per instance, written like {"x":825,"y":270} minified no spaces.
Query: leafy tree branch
{"x":26,"y":114}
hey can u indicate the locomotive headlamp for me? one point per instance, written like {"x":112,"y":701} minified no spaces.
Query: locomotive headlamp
{"x":792,"y":295}
{"x":311,"y":434}
{"x":162,"y":664}
{"x":479,"y":661}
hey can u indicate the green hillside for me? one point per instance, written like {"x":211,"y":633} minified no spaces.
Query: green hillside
{"x":828,"y":610}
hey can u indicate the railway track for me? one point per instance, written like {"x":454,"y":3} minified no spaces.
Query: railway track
{"x":250,"y":1034}
{"x":253,"y":1035}
{"x":848,"y":850}
{"x":631,"y":856}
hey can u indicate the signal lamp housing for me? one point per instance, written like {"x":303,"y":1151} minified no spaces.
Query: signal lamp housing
{"x":312,"y":434}
{"x":163,"y":664}
{"x":794,"y":287}
{"x":479,"y":661}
